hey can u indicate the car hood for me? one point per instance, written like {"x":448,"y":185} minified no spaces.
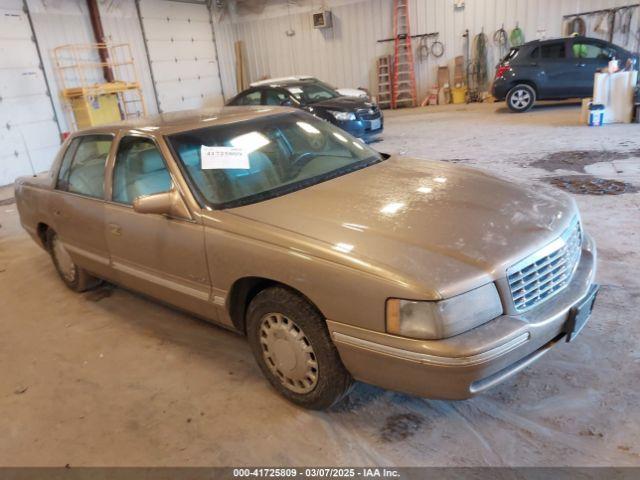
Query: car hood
{"x":352,"y":92}
{"x":343,"y":104}
{"x":442,"y":227}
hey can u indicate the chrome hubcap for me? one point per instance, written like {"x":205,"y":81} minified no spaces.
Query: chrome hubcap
{"x":63,"y":260}
{"x":520,"y":99}
{"x":288,"y":353}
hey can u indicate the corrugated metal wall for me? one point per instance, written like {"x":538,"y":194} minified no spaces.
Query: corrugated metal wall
{"x":29,"y":135}
{"x":67,"y":22}
{"x":345,"y":55}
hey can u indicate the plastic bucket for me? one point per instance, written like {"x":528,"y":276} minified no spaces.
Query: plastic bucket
{"x":458,"y":94}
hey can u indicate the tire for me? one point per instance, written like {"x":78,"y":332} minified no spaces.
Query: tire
{"x":73,"y":276}
{"x":521,"y":98}
{"x":290,"y":341}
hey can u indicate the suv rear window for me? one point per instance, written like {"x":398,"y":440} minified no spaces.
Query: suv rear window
{"x":513,"y":53}
{"x":553,"y":50}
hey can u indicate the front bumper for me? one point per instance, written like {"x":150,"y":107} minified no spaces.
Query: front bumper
{"x":462,"y":366}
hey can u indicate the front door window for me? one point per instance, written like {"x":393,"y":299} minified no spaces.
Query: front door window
{"x":139,"y":170}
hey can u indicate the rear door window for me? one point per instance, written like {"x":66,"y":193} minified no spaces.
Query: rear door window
{"x":251,"y":98}
{"x":85,"y":174}
{"x":63,"y":174}
{"x":552,"y":51}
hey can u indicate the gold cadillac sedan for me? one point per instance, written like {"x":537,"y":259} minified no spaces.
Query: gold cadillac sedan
{"x":336,"y":261}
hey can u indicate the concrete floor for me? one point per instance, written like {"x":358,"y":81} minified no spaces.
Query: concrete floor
{"x":109,"y":378}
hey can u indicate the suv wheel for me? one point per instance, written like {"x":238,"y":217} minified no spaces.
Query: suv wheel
{"x":290,"y":341}
{"x":521,"y":98}
{"x":74,"y":277}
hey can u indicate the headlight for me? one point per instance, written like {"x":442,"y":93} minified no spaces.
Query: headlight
{"x":436,"y":320}
{"x":342,"y":116}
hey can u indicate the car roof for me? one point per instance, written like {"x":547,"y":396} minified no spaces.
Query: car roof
{"x":284,"y":83}
{"x":551,"y":40}
{"x":292,"y":78}
{"x":168,"y":123}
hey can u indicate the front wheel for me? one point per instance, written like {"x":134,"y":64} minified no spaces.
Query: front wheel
{"x":521,"y":98}
{"x":293,"y":348}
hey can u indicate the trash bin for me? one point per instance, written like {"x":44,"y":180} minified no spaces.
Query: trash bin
{"x":596,"y":115}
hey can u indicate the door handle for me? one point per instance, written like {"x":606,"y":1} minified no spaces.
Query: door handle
{"x":581,"y":65}
{"x":115,"y":229}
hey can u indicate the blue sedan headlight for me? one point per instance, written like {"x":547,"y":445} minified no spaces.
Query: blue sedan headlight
{"x":343,"y":116}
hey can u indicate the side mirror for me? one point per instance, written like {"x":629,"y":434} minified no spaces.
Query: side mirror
{"x":286,"y":103}
{"x":166,"y":203}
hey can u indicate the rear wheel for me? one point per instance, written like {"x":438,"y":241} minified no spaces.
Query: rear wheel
{"x":521,"y":98}
{"x":293,"y":348}
{"x":74,"y":277}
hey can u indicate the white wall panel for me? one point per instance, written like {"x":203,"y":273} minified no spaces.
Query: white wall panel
{"x":121,"y":25}
{"x":57,"y":23}
{"x":346,"y":54}
{"x":29,"y":136}
{"x":225,"y":39}
{"x":182,"y":54}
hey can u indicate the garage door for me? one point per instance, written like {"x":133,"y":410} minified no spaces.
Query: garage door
{"x":29,"y":135}
{"x":182,"y":54}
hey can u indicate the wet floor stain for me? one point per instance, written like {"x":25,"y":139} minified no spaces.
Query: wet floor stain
{"x":588,"y":185}
{"x":577,"y":160}
{"x":401,"y":426}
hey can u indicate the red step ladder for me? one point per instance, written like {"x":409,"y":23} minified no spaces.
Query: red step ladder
{"x":404,"y":79}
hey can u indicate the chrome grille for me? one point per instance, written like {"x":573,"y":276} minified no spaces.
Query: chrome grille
{"x":545,"y":273}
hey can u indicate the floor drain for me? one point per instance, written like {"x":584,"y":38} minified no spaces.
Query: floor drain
{"x":588,"y":185}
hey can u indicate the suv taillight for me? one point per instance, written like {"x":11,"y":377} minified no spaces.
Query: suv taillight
{"x":501,"y":70}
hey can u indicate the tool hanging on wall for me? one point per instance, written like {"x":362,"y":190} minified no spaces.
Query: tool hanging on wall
{"x":517,"y":36}
{"x":576,"y":26}
{"x":501,"y":40}
{"x":424,"y":50}
{"x":608,"y":21}
{"x":480,"y":60}
{"x":471,"y":93}
{"x":626,"y":17}
{"x":404,"y":80}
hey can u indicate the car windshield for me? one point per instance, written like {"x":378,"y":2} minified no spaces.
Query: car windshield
{"x":248,"y":162}
{"x":312,"y":92}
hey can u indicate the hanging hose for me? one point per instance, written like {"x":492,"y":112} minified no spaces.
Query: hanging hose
{"x":501,"y":40}
{"x":423,"y":50}
{"x":576,"y":25}
{"x":437,"y":49}
{"x":517,"y":36}
{"x":480,"y":60}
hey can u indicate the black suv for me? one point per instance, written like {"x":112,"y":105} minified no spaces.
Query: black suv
{"x":357,"y":116}
{"x":553,"y":70}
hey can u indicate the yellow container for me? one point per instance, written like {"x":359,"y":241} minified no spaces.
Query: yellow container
{"x":458,"y":94}
{"x":97,"y":110}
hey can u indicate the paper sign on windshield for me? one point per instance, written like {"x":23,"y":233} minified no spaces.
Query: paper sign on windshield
{"x":223,"y":157}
